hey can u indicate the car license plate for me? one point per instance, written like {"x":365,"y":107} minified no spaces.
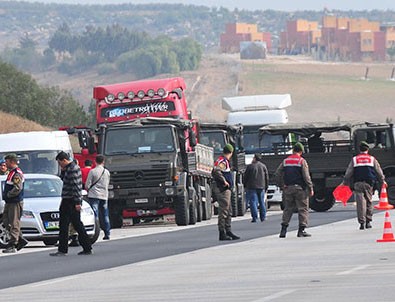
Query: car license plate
{"x":51,"y":225}
{"x":141,"y":200}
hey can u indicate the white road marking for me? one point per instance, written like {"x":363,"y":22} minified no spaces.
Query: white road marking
{"x":355,"y":269}
{"x":276,"y":295}
{"x":45,"y":283}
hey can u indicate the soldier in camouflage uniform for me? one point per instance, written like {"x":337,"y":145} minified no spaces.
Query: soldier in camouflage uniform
{"x":293,"y":177}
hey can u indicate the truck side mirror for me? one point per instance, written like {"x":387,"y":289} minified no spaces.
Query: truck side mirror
{"x":91,"y":144}
{"x":240,"y":142}
{"x":192,"y":138}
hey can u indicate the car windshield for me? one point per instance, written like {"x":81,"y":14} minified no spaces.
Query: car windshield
{"x":37,"y":161}
{"x":41,"y":187}
{"x":139,"y":140}
{"x":213,"y":139}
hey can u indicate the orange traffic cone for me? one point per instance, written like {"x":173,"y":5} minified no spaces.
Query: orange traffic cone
{"x":387,"y":234}
{"x":383,"y":204}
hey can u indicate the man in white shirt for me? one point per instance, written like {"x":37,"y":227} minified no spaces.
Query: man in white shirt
{"x":97,"y":184}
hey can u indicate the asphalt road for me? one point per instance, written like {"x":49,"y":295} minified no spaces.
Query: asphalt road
{"x":26,"y":268}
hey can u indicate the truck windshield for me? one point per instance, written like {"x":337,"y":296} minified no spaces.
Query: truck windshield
{"x":37,"y":161}
{"x":139,"y":140}
{"x":253,"y":142}
{"x":213,"y":139}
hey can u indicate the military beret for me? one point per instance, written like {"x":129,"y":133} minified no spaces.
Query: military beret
{"x":364,"y":145}
{"x":11,"y":156}
{"x":298,"y":147}
{"x":228,"y":149}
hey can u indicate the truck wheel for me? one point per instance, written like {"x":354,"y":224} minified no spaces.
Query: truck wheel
{"x":3,"y":234}
{"x":208,"y":206}
{"x":322,"y":202}
{"x":241,"y":203}
{"x":199,"y":206}
{"x":181,"y":208}
{"x":391,"y":190}
{"x":233,"y":204}
{"x":193,"y":204}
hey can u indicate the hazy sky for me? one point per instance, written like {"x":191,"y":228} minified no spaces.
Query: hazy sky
{"x":288,"y":5}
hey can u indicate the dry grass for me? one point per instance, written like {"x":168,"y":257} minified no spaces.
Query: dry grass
{"x":11,"y":123}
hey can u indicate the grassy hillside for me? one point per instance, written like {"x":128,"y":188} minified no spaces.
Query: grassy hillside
{"x":324,"y":91}
{"x":11,"y":123}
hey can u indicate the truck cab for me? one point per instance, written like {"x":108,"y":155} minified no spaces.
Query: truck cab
{"x":217,"y":135}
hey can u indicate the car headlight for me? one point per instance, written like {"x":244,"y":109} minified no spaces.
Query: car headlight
{"x":27,"y":214}
{"x":87,"y":211}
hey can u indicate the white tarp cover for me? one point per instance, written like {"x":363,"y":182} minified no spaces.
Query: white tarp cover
{"x":256,"y":102}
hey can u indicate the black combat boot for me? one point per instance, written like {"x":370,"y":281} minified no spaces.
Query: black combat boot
{"x":231,"y":235}
{"x":368,"y":225}
{"x":302,"y":232}
{"x":361,"y":226}
{"x":223,"y":236}
{"x":283,"y":231}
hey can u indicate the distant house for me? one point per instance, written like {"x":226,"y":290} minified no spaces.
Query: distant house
{"x":235,"y":33}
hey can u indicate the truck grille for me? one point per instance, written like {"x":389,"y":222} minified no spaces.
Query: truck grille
{"x":150,"y":177}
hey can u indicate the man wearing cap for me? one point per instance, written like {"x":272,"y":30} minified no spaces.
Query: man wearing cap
{"x":364,"y":171}
{"x":3,"y":167}
{"x":13,"y":197}
{"x":293,"y":177}
{"x":223,"y":183}
{"x":256,"y":181}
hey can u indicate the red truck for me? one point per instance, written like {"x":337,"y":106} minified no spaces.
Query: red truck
{"x":150,"y":141}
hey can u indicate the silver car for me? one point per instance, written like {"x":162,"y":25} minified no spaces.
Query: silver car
{"x":40,"y":217}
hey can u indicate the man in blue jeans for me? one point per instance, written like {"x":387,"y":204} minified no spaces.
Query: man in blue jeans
{"x":97,"y":184}
{"x":256,"y":180}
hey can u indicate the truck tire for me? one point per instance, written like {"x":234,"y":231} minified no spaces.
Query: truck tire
{"x":208,"y":206}
{"x":193,"y":204}
{"x":199,"y":205}
{"x":181,"y":208}
{"x":234,"y":203}
{"x":241,"y":202}
{"x":391,"y":190}
{"x":322,"y":201}
{"x":3,"y":234}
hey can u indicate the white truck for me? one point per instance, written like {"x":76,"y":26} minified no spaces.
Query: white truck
{"x":36,"y":150}
{"x":253,"y":112}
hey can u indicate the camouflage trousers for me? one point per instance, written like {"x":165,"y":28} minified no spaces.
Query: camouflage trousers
{"x":224,"y":215}
{"x":363,"y":196}
{"x":295,"y":197}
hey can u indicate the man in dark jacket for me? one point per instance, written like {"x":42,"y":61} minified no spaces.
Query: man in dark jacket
{"x":13,"y":197}
{"x":365,"y":171}
{"x":70,"y":207}
{"x":255,"y":180}
{"x":223,"y":183}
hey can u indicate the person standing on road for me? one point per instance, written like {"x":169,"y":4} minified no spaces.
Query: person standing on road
{"x":293,"y":176}
{"x":97,"y":184}
{"x":3,"y":167}
{"x":70,"y":206}
{"x":223,"y":183}
{"x":256,"y":180}
{"x":13,"y":196}
{"x":364,"y":171}
{"x":85,"y":171}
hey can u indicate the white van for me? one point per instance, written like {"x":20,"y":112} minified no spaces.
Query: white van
{"x":36,"y":150}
